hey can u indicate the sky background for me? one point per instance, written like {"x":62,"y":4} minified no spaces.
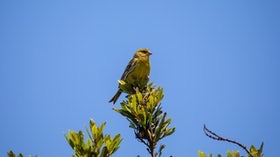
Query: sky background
{"x":218,"y":62}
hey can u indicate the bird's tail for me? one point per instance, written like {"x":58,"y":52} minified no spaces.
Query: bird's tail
{"x":116,"y":96}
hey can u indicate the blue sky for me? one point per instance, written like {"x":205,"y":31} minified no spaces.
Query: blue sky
{"x":218,"y":62}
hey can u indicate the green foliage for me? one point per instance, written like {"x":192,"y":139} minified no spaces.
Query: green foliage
{"x":229,"y":154}
{"x":12,"y":154}
{"x":233,"y":154}
{"x":130,"y":89}
{"x":201,"y":154}
{"x":97,"y":145}
{"x":253,"y":151}
{"x":256,"y":152}
{"x":144,"y":112}
{"x":146,"y":117}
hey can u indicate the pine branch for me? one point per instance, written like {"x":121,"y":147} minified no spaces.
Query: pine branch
{"x":214,"y":136}
{"x":149,"y":122}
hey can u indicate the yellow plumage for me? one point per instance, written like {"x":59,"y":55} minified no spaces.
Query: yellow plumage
{"x":136,"y":73}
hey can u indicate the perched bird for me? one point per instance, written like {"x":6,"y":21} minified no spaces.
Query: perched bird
{"x":136,"y":73}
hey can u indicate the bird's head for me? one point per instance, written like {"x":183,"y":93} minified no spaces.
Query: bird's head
{"x":142,"y":52}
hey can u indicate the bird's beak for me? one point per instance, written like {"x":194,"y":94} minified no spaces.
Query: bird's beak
{"x":150,"y":53}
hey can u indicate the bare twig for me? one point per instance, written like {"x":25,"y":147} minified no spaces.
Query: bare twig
{"x":214,"y":136}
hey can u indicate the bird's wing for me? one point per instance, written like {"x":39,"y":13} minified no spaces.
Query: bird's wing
{"x":130,"y":67}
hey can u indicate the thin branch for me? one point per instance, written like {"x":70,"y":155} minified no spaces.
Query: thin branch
{"x":214,"y":136}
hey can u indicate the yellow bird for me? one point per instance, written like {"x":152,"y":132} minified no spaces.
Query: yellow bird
{"x":136,"y":73}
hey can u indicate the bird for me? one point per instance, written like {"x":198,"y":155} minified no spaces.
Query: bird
{"x":136,"y":73}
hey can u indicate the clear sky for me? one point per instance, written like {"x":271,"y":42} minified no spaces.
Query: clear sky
{"x":218,"y":62}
